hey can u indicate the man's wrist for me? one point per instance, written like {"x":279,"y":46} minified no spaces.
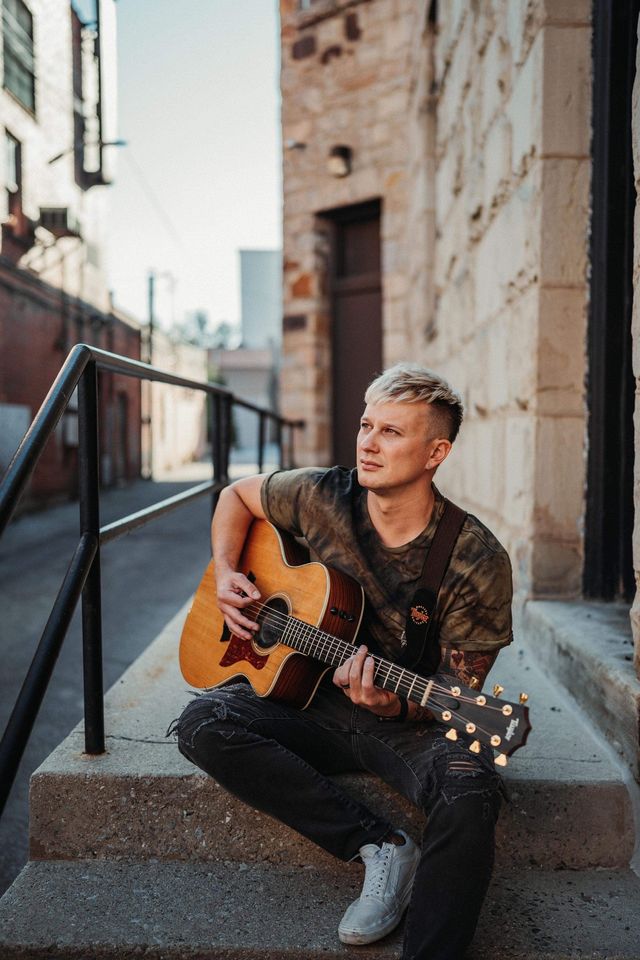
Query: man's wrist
{"x":401,"y":715}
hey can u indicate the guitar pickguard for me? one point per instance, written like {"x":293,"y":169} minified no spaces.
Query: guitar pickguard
{"x":239,"y":650}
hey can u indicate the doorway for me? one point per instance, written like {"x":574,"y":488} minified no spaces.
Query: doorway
{"x":355,"y":292}
{"x":608,"y":566}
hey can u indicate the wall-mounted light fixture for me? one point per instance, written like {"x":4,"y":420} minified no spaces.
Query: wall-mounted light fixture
{"x":339,"y":161}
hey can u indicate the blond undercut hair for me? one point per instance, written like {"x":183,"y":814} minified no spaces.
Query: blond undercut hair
{"x":411,"y":383}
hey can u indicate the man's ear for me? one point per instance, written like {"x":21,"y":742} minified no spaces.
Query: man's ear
{"x":440,"y":449}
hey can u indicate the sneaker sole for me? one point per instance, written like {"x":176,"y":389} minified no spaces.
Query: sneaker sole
{"x":360,"y":939}
{"x":373,"y":935}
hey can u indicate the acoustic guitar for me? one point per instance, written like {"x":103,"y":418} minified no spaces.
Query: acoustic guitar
{"x":309,"y":616}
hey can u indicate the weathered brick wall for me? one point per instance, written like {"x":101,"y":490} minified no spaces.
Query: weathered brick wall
{"x":72,"y":264}
{"x":38,"y":327}
{"x":344,"y":80}
{"x":53,"y":292}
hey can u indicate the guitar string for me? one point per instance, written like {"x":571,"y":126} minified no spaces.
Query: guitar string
{"x":325,"y":639}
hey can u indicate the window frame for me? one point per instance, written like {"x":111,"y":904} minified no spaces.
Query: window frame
{"x":23,"y":62}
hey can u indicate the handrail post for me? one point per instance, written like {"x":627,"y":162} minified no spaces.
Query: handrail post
{"x":290,"y":434}
{"x":227,"y":429}
{"x":216,"y":443}
{"x":211,"y":417}
{"x":89,"y":478}
{"x":280,"y":442}
{"x":261,"y":439}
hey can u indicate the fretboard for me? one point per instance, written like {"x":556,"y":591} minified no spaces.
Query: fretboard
{"x":329,"y":649}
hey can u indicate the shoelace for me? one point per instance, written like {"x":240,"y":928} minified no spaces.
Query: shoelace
{"x":376,"y":871}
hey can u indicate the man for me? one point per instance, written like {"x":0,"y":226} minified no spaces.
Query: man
{"x":375,"y":523}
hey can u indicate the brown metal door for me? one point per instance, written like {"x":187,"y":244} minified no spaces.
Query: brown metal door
{"x":356,"y":320}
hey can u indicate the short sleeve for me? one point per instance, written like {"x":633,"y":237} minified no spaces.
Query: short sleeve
{"x":286,"y":497}
{"x":478,"y":616}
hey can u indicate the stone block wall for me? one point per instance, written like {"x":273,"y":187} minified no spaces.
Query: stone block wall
{"x":511,"y":98}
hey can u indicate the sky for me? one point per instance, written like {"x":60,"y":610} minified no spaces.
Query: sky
{"x":198,"y":104}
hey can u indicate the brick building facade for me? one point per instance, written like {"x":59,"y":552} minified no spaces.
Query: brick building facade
{"x":468,"y":132}
{"x":57,"y":114}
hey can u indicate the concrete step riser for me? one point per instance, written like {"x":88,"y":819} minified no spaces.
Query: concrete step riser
{"x":192,"y":818}
{"x":104,"y":911}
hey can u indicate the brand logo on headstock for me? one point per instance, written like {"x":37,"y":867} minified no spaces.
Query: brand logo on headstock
{"x":419,"y":614}
{"x":511,"y":729}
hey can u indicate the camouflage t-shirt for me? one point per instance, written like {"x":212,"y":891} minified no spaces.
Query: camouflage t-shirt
{"x":328,"y":508}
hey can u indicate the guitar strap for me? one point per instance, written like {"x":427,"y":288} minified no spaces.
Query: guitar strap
{"x":422,"y":648}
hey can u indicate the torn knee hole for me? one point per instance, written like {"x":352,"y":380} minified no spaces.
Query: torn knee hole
{"x":198,"y":714}
{"x":465,"y":765}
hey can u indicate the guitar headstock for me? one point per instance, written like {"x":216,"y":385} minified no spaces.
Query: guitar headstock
{"x":500,"y":724}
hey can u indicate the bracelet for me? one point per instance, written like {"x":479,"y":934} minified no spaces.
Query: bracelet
{"x":399,"y":717}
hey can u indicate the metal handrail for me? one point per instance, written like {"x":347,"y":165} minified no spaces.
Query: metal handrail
{"x":83,"y":575}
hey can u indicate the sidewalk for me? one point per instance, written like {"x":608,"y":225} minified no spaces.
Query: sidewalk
{"x":146,"y":577}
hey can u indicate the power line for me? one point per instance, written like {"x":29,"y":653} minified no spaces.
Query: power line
{"x":153,"y":199}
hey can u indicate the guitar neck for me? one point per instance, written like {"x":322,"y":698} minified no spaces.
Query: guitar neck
{"x":329,"y":649}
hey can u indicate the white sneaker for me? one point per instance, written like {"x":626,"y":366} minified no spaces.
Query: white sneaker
{"x":389,"y":872}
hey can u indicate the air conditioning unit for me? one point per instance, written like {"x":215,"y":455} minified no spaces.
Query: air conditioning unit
{"x":60,"y":221}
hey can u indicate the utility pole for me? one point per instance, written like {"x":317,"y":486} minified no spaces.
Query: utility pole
{"x":151,"y":294}
{"x":147,"y":386}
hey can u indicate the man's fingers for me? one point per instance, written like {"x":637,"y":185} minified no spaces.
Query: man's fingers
{"x":341,"y":675}
{"x":235,"y":596}
{"x":240,"y":583}
{"x":244,"y":629}
{"x":368,"y":669}
{"x":230,"y":598}
{"x":355,"y":673}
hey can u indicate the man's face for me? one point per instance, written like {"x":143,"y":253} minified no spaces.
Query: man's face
{"x":396,"y":445}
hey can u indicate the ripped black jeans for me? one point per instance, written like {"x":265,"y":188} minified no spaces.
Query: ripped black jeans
{"x":280,"y":760}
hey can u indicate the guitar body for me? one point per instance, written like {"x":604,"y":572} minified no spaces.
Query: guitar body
{"x":310,"y":592}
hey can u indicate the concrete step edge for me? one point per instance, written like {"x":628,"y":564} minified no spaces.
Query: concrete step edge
{"x":191,"y":817}
{"x":143,"y":798}
{"x":171,"y":911}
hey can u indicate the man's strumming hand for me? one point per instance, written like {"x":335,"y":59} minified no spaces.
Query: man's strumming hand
{"x":234,"y":593}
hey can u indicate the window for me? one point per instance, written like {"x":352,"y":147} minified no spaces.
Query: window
{"x":19,"y":66}
{"x":13,"y":167}
{"x":78,"y":99}
{"x":13,"y":163}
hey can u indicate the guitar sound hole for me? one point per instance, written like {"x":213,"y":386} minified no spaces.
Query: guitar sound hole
{"x":272,"y":620}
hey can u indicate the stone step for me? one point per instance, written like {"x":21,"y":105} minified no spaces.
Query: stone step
{"x":239,"y":911}
{"x":569,"y":805}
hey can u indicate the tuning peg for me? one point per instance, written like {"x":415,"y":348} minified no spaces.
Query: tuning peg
{"x":497,"y":690}
{"x":475,"y":746}
{"x":456,"y":691}
{"x":523,"y":697}
{"x":451,"y":734}
{"x":501,"y":760}
{"x":474,"y":683}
